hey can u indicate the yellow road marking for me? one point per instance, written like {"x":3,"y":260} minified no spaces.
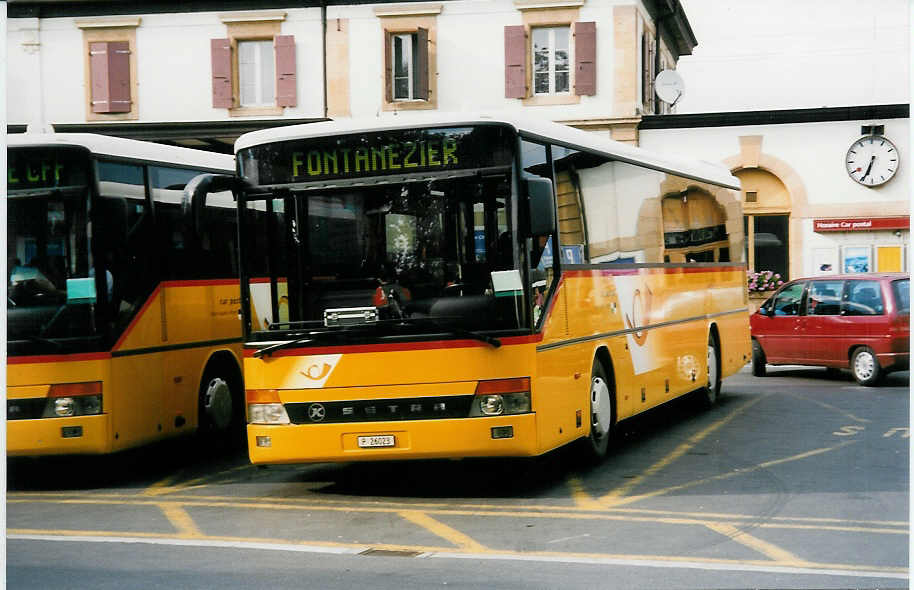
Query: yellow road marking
{"x":358,"y":547}
{"x":580,"y":496}
{"x":614,"y":497}
{"x":180,"y":519}
{"x":741,"y":471}
{"x":765,"y":548}
{"x":900,"y":529}
{"x":316,"y":503}
{"x":447,"y":533}
{"x":168,"y":485}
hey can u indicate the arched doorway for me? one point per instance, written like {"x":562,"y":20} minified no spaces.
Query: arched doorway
{"x":766,"y":220}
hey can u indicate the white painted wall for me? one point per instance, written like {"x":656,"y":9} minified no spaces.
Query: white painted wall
{"x":174,"y":78}
{"x":784,"y":54}
{"x":815,"y":151}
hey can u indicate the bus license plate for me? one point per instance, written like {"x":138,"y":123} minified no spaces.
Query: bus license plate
{"x":385,"y":440}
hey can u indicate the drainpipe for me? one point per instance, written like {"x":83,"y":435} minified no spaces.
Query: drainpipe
{"x":324,"y":40}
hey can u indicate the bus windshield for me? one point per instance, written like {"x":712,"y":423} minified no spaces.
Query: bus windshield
{"x":50,"y":289}
{"x":437,"y":249}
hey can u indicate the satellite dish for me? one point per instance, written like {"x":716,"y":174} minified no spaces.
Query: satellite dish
{"x":669,"y":86}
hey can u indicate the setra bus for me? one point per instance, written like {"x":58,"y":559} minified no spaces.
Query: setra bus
{"x":122,"y":308}
{"x":459,"y":286}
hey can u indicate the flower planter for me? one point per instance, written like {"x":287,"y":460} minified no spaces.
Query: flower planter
{"x":757,"y":298}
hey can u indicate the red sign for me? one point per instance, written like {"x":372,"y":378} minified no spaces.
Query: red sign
{"x":861,"y":224}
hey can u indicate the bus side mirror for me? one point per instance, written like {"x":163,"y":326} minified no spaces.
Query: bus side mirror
{"x":196,"y":190}
{"x":542,"y":206}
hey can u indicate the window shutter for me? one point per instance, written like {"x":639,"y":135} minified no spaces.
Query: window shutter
{"x":585,"y":57}
{"x":651,"y":74}
{"x":515,"y":62}
{"x":109,"y":68}
{"x":388,"y":66}
{"x":420,"y":84}
{"x":222,"y":73}
{"x":286,"y":87}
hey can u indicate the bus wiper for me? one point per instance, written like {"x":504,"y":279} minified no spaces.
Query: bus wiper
{"x":311,"y":337}
{"x":490,"y":340}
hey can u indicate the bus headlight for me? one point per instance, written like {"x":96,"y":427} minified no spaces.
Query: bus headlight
{"x":64,"y":406}
{"x":265,"y":407}
{"x":267,"y":414}
{"x":73,"y":399}
{"x":501,"y":397}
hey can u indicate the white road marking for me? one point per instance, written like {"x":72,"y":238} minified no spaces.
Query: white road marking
{"x":506,"y":556}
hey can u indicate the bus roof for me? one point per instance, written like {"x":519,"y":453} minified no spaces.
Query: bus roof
{"x":127,"y":148}
{"x":531,"y":127}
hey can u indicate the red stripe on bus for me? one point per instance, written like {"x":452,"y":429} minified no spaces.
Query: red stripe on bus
{"x":202,"y":283}
{"x":170,"y":285}
{"x":137,"y":317}
{"x":58,"y":358}
{"x":397,"y":347}
{"x":659,"y":270}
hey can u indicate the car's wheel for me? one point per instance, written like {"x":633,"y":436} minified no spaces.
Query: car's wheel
{"x":758,"y":360}
{"x":865,"y":366}
{"x":602,"y":413}
{"x":711,"y":390}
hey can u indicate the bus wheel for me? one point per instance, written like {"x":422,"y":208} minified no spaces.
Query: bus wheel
{"x":711,"y":390}
{"x":220,"y":407}
{"x":601,"y":412}
{"x":865,"y":366}
{"x":758,"y":360}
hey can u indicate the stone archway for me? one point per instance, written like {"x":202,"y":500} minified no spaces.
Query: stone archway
{"x":786,"y":192}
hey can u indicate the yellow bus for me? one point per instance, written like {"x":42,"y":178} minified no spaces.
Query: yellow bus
{"x":122,"y":308}
{"x":458,"y":286}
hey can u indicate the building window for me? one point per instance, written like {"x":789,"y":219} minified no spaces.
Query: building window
{"x":405,"y":53}
{"x":408,"y":66}
{"x":542,"y":68}
{"x":256,"y":71}
{"x":409,"y":37}
{"x":551,"y":72}
{"x":648,"y":72}
{"x":111,"y":74}
{"x":253,"y":69}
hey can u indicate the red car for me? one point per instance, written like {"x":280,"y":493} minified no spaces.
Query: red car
{"x":858,"y":321}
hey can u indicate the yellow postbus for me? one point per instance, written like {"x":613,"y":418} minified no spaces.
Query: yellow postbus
{"x":122,"y":309}
{"x":459,"y":286}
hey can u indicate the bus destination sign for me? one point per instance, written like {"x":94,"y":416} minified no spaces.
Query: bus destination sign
{"x":376,"y":154}
{"x":35,"y":168}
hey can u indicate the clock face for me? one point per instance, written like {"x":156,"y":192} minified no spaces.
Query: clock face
{"x":872,"y":160}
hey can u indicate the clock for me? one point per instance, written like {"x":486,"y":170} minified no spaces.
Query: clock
{"x":872,"y":160}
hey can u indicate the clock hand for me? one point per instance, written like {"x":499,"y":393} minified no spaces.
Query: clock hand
{"x":868,"y":168}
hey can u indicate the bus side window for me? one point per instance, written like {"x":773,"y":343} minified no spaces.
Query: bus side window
{"x":534,"y":161}
{"x":124,"y":233}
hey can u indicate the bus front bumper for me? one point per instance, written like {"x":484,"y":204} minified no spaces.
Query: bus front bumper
{"x":86,"y":435}
{"x":413,"y":439}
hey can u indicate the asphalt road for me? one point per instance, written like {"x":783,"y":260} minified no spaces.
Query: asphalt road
{"x":796,"y":480}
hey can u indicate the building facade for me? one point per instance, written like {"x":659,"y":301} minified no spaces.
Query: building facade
{"x":808,"y":208}
{"x":196,"y":74}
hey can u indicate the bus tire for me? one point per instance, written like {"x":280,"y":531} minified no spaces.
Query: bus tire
{"x":220,"y":403}
{"x":865,"y":366}
{"x":711,"y":391}
{"x":601,"y":412}
{"x":758,"y":360}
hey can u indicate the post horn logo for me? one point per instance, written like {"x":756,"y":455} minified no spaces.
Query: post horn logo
{"x":641,"y":312}
{"x":316,"y":372}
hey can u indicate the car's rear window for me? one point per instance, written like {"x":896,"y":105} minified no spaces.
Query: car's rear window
{"x":902,"y":292}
